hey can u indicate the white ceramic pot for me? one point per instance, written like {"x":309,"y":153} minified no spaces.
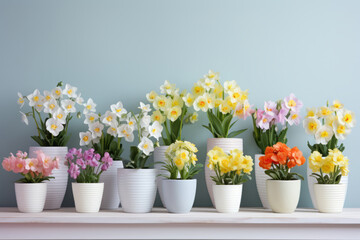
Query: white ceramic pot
{"x":87,"y":196}
{"x":159,"y":157}
{"x":110,"y":199}
{"x":260,"y":178}
{"x":283,"y":195}
{"x":30,"y":197}
{"x":330,"y":198}
{"x":137,"y":189}
{"x":226,"y":144}
{"x":56,"y":187}
{"x":179,"y":195}
{"x":311,"y":181}
{"x":227,"y":198}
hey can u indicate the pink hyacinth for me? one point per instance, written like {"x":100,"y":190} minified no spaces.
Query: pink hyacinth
{"x":292,"y":103}
{"x":74,"y":171}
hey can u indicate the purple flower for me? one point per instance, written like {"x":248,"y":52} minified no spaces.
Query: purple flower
{"x":292,"y":103}
{"x":281,"y":117}
{"x":93,"y":162}
{"x":294,"y":118}
{"x":264,"y":121}
{"x":270,"y":108}
{"x":97,"y":157}
{"x":73,"y":151}
{"x":81,"y":163}
{"x":69,"y":156}
{"x":74,"y":171}
{"x":104,"y":167}
{"x":107,"y":159}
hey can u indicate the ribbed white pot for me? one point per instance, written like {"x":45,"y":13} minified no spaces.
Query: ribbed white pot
{"x":137,"y":189}
{"x":87,"y":196}
{"x":227,"y":198}
{"x":330,"y":198}
{"x":260,"y":178}
{"x":283,"y":195}
{"x":30,"y":197}
{"x":159,"y":157}
{"x":56,"y":187}
{"x":179,"y":195}
{"x":110,"y":199}
{"x":226,"y":144}
{"x":311,"y":181}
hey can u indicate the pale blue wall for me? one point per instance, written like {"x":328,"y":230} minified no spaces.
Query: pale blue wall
{"x":120,"y":50}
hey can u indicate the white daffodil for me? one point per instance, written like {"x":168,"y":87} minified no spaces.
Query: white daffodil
{"x":151,"y":96}
{"x":225,"y":108}
{"x":24,"y":118}
{"x":34,"y":98}
{"x":113,"y":129}
{"x":194,"y":117}
{"x":39,"y":105}
{"x":198,"y":89}
{"x":324,"y":112}
{"x":51,"y":106}
{"x":161,"y":103}
{"x":146,"y":146}
{"x":329,"y":120}
{"x":346,"y":118}
{"x":229,"y":86}
{"x":155,"y":130}
{"x":108,"y":118}
{"x":209,"y":83}
{"x":54,"y":126}
{"x":218,"y":90}
{"x":174,"y":113}
{"x":157,"y":116}
{"x":167,"y":88}
{"x":144,"y":107}
{"x":337,"y":105}
{"x":70,"y":91}
{"x":324,"y":134}
{"x":56,"y":92}
{"x":68,"y":106}
{"x":212,"y":75}
{"x":20,"y":100}
{"x":144,"y":133}
{"x":60,"y":115}
{"x":85,"y":138}
{"x":340,"y":130}
{"x":235,"y":94}
{"x":311,"y":112}
{"x":96,"y":129}
{"x":127,"y":132}
{"x":177,"y":101}
{"x":90,"y":118}
{"x":145,"y":121}
{"x":89,"y":106}
{"x":131,"y":122}
{"x":311,"y":125}
{"x":118,"y":109}
{"x":200,"y":103}
{"x":79,"y":100}
{"x":210,"y":99}
{"x":47,"y":96}
{"x":189,"y":99}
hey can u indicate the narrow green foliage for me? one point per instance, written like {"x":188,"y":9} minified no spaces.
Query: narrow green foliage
{"x":229,"y":178}
{"x":110,"y":144}
{"x":324,"y":149}
{"x":137,"y":158}
{"x":333,"y":177}
{"x":282,"y":172}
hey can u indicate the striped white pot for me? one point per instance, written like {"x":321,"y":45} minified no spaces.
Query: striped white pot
{"x":227,"y":198}
{"x":30,"y":197}
{"x":137,"y":189}
{"x":226,"y":144}
{"x":111,"y":198}
{"x":159,"y":157}
{"x":260,"y":178}
{"x":87,"y":196}
{"x":330,"y":198}
{"x":57,"y":186}
{"x":283,"y":195}
{"x":311,"y":181}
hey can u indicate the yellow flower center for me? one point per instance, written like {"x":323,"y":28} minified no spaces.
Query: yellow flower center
{"x":69,"y":107}
{"x":202,"y":103}
{"x":85,"y":138}
{"x":109,"y":118}
{"x":178,"y":162}
{"x":312,"y":126}
{"x":173,"y":113}
{"x":154,"y":130}
{"x":20,"y":165}
{"x":113,"y":129}
{"x":52,"y":106}
{"x":161,"y":103}
{"x":118,"y":110}
{"x":292,"y":103}
{"x":59,"y":116}
{"x":341,"y":129}
{"x":294,"y":116}
{"x":157,"y":117}
{"x":198,"y":89}
{"x":131,"y":123}
{"x":310,"y":114}
{"x":36,"y":98}
{"x":146,"y":146}
{"x":21,"y":100}
{"x":236,"y":95}
{"x":91,"y":118}
{"x":53,"y":126}
{"x":88,"y":107}
{"x":348,"y":118}
{"x":324,"y":134}
{"x":264,"y":120}
{"x":211,"y":75}
{"x":47,"y":97}
{"x":183,"y":155}
{"x":70,"y":91}
{"x":57,"y":92}
{"x":97,"y":129}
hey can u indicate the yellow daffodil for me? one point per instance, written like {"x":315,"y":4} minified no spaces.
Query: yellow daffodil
{"x":311,"y":125}
{"x":157,"y":116}
{"x":174,"y":113}
{"x":151,"y":96}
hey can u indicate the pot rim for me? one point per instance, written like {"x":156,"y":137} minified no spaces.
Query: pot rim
{"x":283,"y":181}
{"x":21,"y":183}
{"x":338,"y":184}
{"x":211,"y":139}
{"x":229,"y":185}
{"x":48,"y":147}
{"x":100,"y":183}
{"x":179,"y":180}
{"x":137,"y":169}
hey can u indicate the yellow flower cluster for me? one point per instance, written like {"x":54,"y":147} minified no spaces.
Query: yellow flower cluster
{"x":182,"y":153}
{"x":235,"y":161}
{"x":327,"y":121}
{"x":327,"y":164}
{"x":208,"y":93}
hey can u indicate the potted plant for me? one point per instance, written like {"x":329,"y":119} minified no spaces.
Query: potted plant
{"x":328,"y":124}
{"x":171,"y":111}
{"x":231,"y":171}
{"x":52,"y":112}
{"x":137,"y":182}
{"x":104,"y":136}
{"x":283,"y":187}
{"x":270,"y":126}
{"x":221,"y":103}
{"x":86,"y":168}
{"x":329,"y":191}
{"x":31,"y":190}
{"x":179,"y":187}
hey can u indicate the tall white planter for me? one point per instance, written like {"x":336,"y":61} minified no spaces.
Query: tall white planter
{"x":330,"y":198}
{"x":260,"y":178}
{"x":226,"y":144}
{"x":311,"y":181}
{"x":56,"y":187}
{"x":30,"y":197}
{"x":159,"y":157}
{"x":283,"y":195}
{"x":227,"y":198}
{"x":87,"y":196}
{"x":137,"y":189}
{"x":110,"y":199}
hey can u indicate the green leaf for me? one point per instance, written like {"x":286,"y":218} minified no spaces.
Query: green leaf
{"x":216,"y":124}
{"x":236,"y":133}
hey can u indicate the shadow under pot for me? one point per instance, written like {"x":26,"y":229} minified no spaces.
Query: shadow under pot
{"x":178,"y":194}
{"x":283,"y":195}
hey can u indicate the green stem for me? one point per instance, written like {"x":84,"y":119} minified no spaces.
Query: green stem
{"x":37,"y":125}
